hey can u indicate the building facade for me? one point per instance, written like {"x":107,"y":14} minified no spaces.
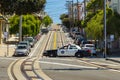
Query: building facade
{"x":3,"y":28}
{"x":114,"y":4}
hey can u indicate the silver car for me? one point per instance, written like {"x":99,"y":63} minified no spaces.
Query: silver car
{"x":25,"y":43}
{"x":21,"y":50}
{"x":31,"y":41}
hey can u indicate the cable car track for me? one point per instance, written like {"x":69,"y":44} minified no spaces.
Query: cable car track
{"x":100,"y":66}
{"x":24,"y":69}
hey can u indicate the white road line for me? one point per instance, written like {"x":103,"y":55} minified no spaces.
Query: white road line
{"x":36,"y":46}
{"x":7,"y":58}
{"x":104,"y":64}
{"x":103,"y":67}
{"x":60,"y":59}
{"x":62,"y":64}
{"x":114,"y":70}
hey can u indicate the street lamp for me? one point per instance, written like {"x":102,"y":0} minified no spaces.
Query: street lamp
{"x":105,"y":40}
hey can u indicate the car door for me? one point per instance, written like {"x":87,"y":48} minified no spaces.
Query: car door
{"x":62,"y":51}
{"x":72,"y":50}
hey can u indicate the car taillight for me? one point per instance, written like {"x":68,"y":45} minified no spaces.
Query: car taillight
{"x":89,"y":51}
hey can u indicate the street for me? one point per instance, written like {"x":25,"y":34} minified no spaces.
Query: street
{"x":36,"y":66}
{"x":80,"y":69}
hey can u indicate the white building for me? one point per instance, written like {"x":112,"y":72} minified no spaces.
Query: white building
{"x":115,"y":5}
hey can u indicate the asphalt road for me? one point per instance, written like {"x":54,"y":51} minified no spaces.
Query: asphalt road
{"x":69,"y":68}
{"x":4,"y":63}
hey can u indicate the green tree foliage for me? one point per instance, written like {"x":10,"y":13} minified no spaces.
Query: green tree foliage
{"x":21,"y":6}
{"x":95,"y":24}
{"x":62,"y":16}
{"x":95,"y":5}
{"x":93,"y":8}
{"x":65,"y":20}
{"x":94,"y":27}
{"x":30,"y":25}
{"x":47,"y":20}
{"x":113,"y":23}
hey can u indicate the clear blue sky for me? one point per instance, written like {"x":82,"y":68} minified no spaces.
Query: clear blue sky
{"x":55,"y":8}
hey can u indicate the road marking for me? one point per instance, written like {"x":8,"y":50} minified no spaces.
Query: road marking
{"x":41,"y":39}
{"x":114,"y":70}
{"x":62,"y":64}
{"x":59,"y":59}
{"x":100,"y":66}
{"x":99,"y":63}
{"x":55,"y":39}
{"x":8,"y":58}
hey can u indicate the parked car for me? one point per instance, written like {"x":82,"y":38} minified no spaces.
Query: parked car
{"x":83,"y":42}
{"x":21,"y":50}
{"x":25,"y":43}
{"x":30,"y":40}
{"x":67,"y":50}
{"x":78,"y":40}
{"x":76,"y":34}
{"x":90,"y":48}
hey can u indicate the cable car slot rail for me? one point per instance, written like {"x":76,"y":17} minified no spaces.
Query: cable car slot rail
{"x":101,"y":66}
{"x":24,"y":69}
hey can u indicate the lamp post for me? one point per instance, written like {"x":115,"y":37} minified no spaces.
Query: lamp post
{"x":105,"y":40}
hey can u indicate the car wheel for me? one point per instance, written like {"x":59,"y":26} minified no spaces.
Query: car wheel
{"x":78,"y":55}
{"x":51,"y":55}
{"x":95,"y":55}
{"x":26,"y":54}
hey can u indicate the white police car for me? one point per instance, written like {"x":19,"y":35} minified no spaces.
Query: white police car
{"x":67,"y":50}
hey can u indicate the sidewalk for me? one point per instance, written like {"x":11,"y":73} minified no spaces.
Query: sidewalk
{"x":7,"y":49}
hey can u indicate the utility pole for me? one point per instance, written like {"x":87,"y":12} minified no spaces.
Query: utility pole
{"x":20,"y":29}
{"x":70,"y":12}
{"x":85,"y":8}
{"x":105,"y":40}
{"x":77,"y":10}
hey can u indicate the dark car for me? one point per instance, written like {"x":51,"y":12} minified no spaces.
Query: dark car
{"x":50,"y":53}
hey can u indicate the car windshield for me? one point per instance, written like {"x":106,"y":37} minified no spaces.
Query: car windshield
{"x":29,"y":39}
{"x":90,"y":46}
{"x":21,"y":47}
{"x":23,"y":43}
{"x":77,"y":33}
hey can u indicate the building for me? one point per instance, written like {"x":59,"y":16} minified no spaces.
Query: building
{"x":3,"y":28}
{"x":114,"y":4}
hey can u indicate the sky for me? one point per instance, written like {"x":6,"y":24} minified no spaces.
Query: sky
{"x":54,"y":8}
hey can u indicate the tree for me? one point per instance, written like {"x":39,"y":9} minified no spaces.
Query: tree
{"x":30,"y":25}
{"x":94,"y":29}
{"x":65,"y":20}
{"x":113,"y":23}
{"x":95,"y":5}
{"x":21,"y":6}
{"x":47,"y":20}
{"x":93,"y":8}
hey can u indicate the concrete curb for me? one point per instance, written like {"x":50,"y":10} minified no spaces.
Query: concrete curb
{"x":113,"y":60}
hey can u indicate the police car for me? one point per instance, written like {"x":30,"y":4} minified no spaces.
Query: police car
{"x":67,"y":50}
